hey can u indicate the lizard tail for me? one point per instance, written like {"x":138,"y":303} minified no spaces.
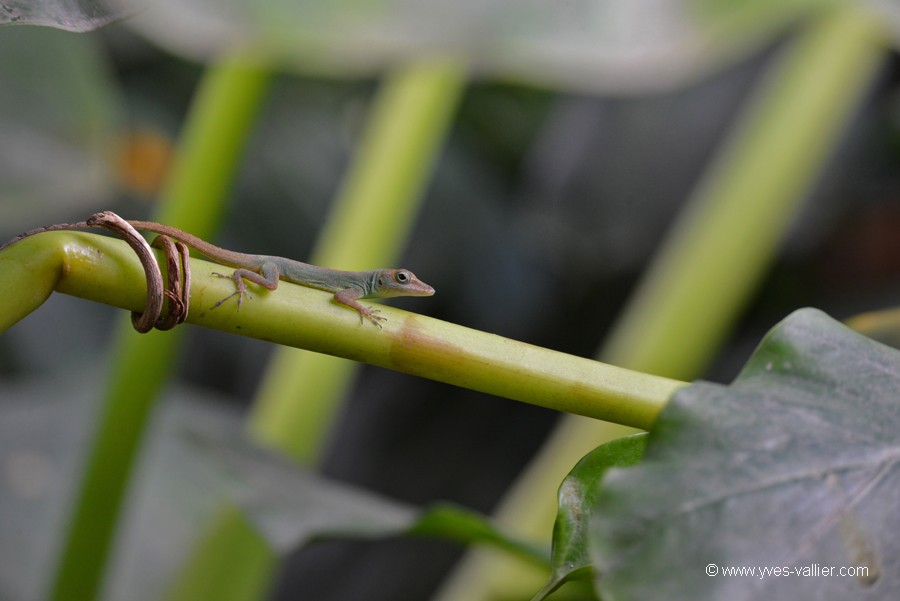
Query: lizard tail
{"x":49,"y":228}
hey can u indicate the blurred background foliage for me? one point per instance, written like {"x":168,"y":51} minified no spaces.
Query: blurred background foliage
{"x":583,"y":130}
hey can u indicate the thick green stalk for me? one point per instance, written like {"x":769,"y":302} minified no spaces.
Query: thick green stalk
{"x":367,"y":229}
{"x":26,"y":281}
{"x":730,"y":231}
{"x":104,"y":269}
{"x":232,"y":562}
{"x":220,"y":120}
{"x":710,"y":263}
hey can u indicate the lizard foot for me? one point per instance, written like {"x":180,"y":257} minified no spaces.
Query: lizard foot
{"x":370,"y":314}
{"x":240,"y":289}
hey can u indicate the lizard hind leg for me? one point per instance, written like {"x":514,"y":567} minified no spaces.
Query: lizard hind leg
{"x":267,"y":277}
{"x":240,"y":288}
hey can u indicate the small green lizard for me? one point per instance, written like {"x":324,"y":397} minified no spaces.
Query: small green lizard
{"x":348,"y":286}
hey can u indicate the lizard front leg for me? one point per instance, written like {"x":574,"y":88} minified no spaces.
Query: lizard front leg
{"x":348,"y":296}
{"x":267,"y":277}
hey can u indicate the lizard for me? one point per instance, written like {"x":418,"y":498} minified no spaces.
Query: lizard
{"x":267,"y":270}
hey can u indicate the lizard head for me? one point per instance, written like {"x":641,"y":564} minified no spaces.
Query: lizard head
{"x":399,"y":282}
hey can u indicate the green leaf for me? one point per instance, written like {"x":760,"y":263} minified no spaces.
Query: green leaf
{"x":792,"y":469}
{"x":570,"y":557}
{"x":291,"y":507}
{"x":598,"y":45}
{"x":71,"y":15}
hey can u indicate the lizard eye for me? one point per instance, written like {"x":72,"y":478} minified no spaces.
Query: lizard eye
{"x":403,"y":277}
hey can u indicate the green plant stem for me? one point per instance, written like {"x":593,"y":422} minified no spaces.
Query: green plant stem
{"x":301,"y":317}
{"x":26,"y":281}
{"x":745,"y":204}
{"x":710,"y":263}
{"x":221,"y":118}
{"x":367,"y":229}
{"x":233,"y":562}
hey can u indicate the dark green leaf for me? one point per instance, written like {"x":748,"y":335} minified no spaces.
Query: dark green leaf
{"x":71,"y":15}
{"x":570,"y":558}
{"x":793,"y":469}
{"x":291,"y":507}
{"x":599,"y":45}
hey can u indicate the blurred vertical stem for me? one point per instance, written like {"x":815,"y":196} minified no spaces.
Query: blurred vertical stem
{"x":711,"y":261}
{"x":220,"y":120}
{"x":367,"y":228}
